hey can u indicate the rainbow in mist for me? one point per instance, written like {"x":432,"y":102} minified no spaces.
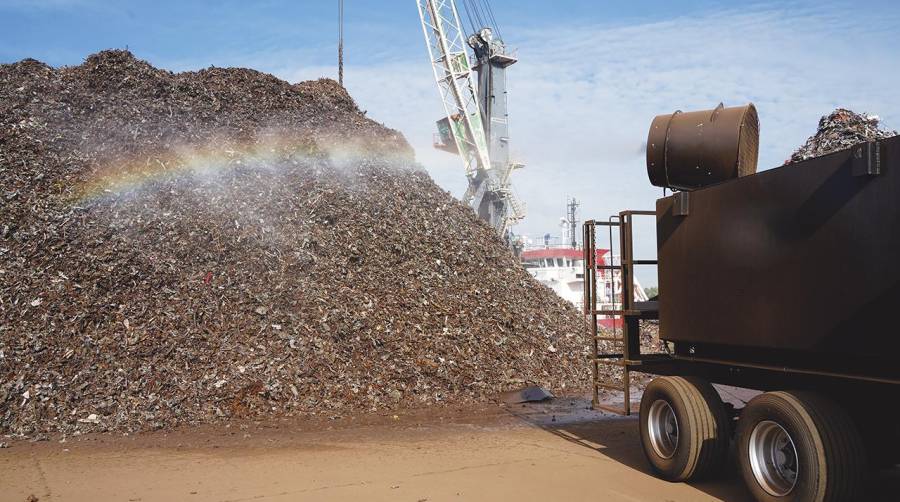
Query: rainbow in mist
{"x":217,"y":157}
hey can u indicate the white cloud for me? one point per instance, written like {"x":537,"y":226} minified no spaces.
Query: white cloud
{"x":591,"y":93}
{"x":582,"y":97}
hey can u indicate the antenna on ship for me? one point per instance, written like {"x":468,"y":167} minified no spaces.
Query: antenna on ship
{"x":572,"y":220}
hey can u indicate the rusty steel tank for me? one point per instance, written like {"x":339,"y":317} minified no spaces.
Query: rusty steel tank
{"x":689,"y":150}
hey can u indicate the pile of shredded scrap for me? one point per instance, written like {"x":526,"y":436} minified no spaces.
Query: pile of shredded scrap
{"x":202,"y":246}
{"x":840,"y":130}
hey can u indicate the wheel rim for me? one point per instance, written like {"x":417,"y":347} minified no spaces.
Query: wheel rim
{"x":662,"y":427}
{"x":773,"y":458}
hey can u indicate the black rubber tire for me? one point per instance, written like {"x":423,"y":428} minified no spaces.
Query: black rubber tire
{"x":704,"y":430}
{"x":830,"y":454}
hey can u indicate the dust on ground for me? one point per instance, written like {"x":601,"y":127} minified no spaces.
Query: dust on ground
{"x":558,"y":450}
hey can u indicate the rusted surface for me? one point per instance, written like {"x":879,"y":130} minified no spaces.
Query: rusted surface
{"x":193,"y":247}
{"x":798,"y":261}
{"x":687,"y":150}
{"x":839,"y":130}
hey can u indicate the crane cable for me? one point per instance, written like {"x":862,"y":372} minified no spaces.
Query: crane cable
{"x":480,"y":15}
{"x":341,"y":42}
{"x":472,"y":24}
{"x":490,"y":12}
{"x":474,"y":15}
{"x":481,"y":18}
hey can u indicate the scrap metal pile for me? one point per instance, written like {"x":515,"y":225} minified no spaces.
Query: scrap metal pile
{"x":840,"y":130}
{"x":184,"y":248}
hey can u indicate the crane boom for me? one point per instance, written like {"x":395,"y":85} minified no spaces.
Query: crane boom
{"x":453,"y":73}
{"x":471,"y":111}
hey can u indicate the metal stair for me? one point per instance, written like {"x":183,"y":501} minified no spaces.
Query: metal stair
{"x":625,"y":341}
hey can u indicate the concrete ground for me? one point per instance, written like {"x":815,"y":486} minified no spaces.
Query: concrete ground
{"x":550,"y":451}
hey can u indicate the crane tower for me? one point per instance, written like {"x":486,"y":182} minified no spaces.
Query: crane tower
{"x":475,"y":125}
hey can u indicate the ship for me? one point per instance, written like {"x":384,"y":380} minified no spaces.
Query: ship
{"x":558,"y":263}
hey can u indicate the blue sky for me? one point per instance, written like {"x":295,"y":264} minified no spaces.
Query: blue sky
{"x":215,"y":32}
{"x":591,"y":75}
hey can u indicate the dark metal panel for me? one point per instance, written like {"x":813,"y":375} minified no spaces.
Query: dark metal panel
{"x":803,"y":257}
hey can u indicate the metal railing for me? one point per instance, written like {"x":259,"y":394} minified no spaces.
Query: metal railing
{"x":627,"y":344}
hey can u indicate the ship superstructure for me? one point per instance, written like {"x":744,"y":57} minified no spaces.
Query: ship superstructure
{"x":558,"y":263}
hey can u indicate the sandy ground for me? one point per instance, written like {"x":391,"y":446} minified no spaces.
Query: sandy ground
{"x":550,"y":451}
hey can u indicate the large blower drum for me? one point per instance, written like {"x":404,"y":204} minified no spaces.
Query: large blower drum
{"x":688,"y":150}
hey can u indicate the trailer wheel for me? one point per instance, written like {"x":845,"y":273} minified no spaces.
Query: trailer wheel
{"x":799,"y":446}
{"x":685,"y":429}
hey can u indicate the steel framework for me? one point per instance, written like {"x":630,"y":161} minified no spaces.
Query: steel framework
{"x":453,"y":74}
{"x":469,"y":113}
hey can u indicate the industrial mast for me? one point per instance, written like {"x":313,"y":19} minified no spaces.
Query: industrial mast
{"x":476,"y":122}
{"x":572,"y":222}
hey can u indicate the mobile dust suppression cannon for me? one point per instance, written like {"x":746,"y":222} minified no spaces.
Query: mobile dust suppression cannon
{"x":475,"y":125}
{"x":785,"y":281}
